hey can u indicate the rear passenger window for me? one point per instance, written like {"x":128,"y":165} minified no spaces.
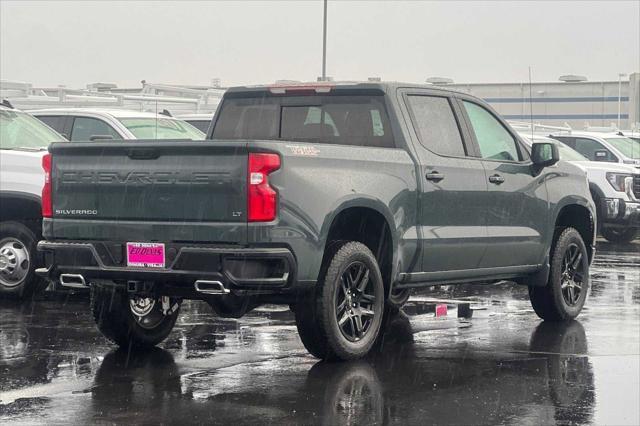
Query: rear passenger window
{"x":589,"y":147}
{"x":570,"y":142}
{"x":494,"y":141}
{"x":85,"y":127}
{"x":55,"y":122}
{"x":436,"y":125}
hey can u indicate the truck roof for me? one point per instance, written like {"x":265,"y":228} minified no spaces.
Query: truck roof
{"x":591,"y":134}
{"x":199,"y":116}
{"x":384,"y":86}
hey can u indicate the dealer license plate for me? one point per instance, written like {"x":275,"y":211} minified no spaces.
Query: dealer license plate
{"x":145,"y":255}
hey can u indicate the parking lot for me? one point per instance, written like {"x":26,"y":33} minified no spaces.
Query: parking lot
{"x":501,"y":366}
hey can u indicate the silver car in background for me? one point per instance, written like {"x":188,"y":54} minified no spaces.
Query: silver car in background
{"x":84,"y":124}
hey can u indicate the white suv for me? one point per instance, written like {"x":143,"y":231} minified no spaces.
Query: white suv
{"x":615,"y":189}
{"x":609,"y":147}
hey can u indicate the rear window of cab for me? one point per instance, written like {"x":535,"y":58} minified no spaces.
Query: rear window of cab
{"x":333,"y":119}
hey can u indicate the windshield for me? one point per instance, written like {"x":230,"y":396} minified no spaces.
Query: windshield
{"x":21,"y":130}
{"x":161,"y":128}
{"x":627,"y":146}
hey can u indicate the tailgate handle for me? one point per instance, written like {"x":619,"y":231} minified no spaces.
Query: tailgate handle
{"x":143,"y":153}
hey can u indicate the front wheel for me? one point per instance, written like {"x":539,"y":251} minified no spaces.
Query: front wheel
{"x":131,"y":320}
{"x":341,"y":319}
{"x":619,"y":235}
{"x":564,"y":295}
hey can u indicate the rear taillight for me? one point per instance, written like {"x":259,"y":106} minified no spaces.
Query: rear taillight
{"x":47,"y":207}
{"x":261,"y":197}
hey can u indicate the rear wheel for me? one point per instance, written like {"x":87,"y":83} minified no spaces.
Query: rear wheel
{"x":18,"y":260}
{"x":131,"y":320}
{"x":566,"y":291}
{"x":341,"y":319}
{"x":619,"y":235}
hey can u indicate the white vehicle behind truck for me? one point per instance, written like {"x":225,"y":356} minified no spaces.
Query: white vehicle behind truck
{"x":607,"y":147}
{"x":615,"y":189}
{"x":23,"y":143}
{"x":83,"y":124}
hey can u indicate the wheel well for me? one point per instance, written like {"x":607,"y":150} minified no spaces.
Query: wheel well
{"x":596,"y":195}
{"x":369,"y":227}
{"x":23,"y":210}
{"x":578,"y":217}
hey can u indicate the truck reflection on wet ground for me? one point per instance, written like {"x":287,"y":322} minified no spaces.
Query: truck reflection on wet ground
{"x":501,"y":366}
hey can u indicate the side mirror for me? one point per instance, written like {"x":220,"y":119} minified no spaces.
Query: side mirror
{"x":601,"y":155}
{"x":544,"y":154}
{"x":101,"y":138}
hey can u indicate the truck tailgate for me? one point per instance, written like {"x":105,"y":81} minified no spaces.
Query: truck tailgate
{"x":150,"y":182}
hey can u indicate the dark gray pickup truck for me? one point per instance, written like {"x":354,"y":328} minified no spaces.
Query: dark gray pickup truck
{"x":335,"y":199}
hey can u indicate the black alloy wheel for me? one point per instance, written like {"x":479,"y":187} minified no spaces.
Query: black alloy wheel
{"x":355,"y":302}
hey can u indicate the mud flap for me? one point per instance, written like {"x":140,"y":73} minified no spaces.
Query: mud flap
{"x":537,"y":279}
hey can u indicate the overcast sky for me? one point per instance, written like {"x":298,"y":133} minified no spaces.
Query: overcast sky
{"x":75,"y":43}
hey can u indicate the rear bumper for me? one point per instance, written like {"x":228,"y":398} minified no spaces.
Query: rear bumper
{"x":240,"y":270}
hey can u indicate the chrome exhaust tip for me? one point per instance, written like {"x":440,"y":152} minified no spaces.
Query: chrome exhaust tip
{"x":210,"y":287}
{"x":72,"y":281}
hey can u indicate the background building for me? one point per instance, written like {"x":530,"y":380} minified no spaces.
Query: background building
{"x":177,"y":99}
{"x":574,"y":101}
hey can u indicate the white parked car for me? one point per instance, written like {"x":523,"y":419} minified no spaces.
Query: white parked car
{"x":615,"y":189}
{"x":23,"y":143}
{"x":84,"y":124}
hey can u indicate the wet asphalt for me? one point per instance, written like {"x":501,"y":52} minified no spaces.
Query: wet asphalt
{"x":501,"y":366}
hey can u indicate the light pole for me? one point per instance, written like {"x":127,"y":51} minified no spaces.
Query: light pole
{"x":619,"y":96}
{"x":324,"y":43}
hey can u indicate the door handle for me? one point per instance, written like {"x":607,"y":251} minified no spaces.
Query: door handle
{"x":497,"y":179}
{"x":434,"y":176}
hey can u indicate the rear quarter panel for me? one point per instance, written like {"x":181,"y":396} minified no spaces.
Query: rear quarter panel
{"x":318,"y":181}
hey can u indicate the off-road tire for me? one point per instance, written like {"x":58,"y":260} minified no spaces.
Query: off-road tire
{"x":619,"y":236}
{"x":31,"y":284}
{"x":548,"y":301}
{"x":114,"y":319}
{"x":316,"y":312}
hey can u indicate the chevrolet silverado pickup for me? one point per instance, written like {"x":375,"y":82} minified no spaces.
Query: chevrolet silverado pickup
{"x":335,"y":199}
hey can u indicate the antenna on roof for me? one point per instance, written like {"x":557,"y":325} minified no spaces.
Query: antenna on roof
{"x":156,"y":136}
{"x":166,"y":112}
{"x":6,"y":103}
{"x":530,"y":102}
